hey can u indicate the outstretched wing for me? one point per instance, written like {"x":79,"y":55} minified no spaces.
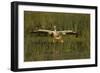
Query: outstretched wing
{"x":70,"y":32}
{"x":42,"y":32}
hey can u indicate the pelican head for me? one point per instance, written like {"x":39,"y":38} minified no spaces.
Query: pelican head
{"x":54,"y":28}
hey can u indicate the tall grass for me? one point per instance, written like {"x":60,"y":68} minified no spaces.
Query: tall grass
{"x":40,"y":48}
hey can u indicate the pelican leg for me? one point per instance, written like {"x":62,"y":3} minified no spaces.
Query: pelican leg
{"x":62,"y":41}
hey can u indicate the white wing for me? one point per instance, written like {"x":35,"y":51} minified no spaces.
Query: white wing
{"x":67,"y":32}
{"x":42,"y":31}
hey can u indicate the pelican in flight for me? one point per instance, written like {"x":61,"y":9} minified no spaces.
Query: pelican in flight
{"x":57,"y":35}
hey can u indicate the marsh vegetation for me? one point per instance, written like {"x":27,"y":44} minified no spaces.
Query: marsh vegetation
{"x":41,"y":47}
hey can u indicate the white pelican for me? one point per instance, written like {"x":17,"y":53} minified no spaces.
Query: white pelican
{"x":57,"y":37}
